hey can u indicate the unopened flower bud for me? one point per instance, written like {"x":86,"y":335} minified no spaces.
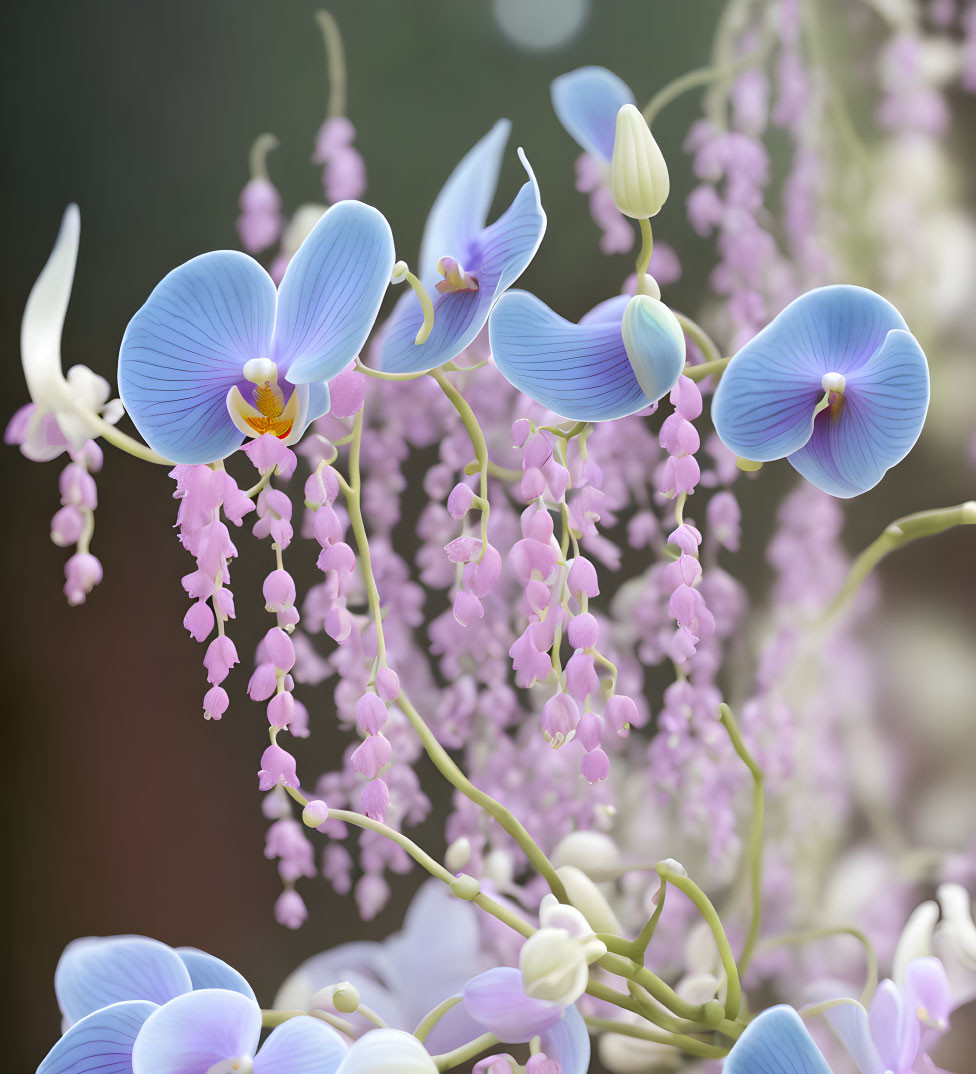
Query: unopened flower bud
{"x":638,"y":172}
{"x":345,"y":998}
{"x":554,"y":967}
{"x":458,"y":854}
{"x":315,"y":813}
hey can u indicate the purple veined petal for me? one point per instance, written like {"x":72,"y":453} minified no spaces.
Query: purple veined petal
{"x":101,"y":1043}
{"x":496,"y":1001}
{"x":586,"y":102}
{"x":894,"y":1029}
{"x":461,"y":208}
{"x":387,"y":1051}
{"x":568,"y":1043}
{"x":207,"y":971}
{"x":186,"y":348}
{"x":504,"y":251}
{"x":579,"y":371}
{"x":331,"y":292}
{"x":850,"y":1022}
{"x":97,"y":971}
{"x":193,"y":1032}
{"x":764,"y":403}
{"x":885,"y":402}
{"x":775,"y":1042}
{"x":301,"y":1045}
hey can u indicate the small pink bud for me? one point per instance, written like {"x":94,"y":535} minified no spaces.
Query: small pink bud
{"x":560,"y":716}
{"x":338,"y":623}
{"x":480,"y":575}
{"x":686,"y":399}
{"x":82,"y":573}
{"x":589,"y":731}
{"x":582,"y":578}
{"x":686,"y":570}
{"x":347,"y":392}
{"x":321,"y":487}
{"x":224,"y":600}
{"x":678,"y":436}
{"x":220,"y":658}
{"x":467,"y":608}
{"x":387,"y":684}
{"x":66,"y":526}
{"x":326,"y":526}
{"x":375,"y":800}
{"x":281,"y":709}
{"x":290,"y":910}
{"x":279,"y":649}
{"x":533,"y":484}
{"x":215,"y":702}
{"x":263,"y":682}
{"x":199,"y":620}
{"x":337,"y":557}
{"x":459,"y":501}
{"x":315,"y":813}
{"x":583,"y":632}
{"x":77,"y":487}
{"x":678,"y":475}
{"x":581,"y":676}
{"x":277,"y":766}
{"x":620,"y":712}
{"x":463,"y":549}
{"x":687,"y":538}
{"x":279,"y":591}
{"x":537,"y":524}
{"x":370,"y":714}
{"x":520,"y":431}
{"x":595,"y":766}
{"x":372,"y":755}
{"x":537,"y":452}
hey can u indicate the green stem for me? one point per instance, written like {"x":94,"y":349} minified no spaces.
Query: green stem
{"x":380,"y":375}
{"x":754,"y":846}
{"x":119,"y":439}
{"x":336,"y":59}
{"x":901,"y":532}
{"x":508,"y":821}
{"x":870,"y":956}
{"x":704,"y":369}
{"x":676,"y":1040}
{"x":433,"y":1017}
{"x":646,"y":934}
{"x":467,"y":1051}
{"x":270,"y":1019}
{"x":733,"y":995}
{"x":644,"y":257}
{"x":258,"y":157}
{"x":703,"y":341}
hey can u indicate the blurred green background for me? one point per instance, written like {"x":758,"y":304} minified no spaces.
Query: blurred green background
{"x":126,"y":811}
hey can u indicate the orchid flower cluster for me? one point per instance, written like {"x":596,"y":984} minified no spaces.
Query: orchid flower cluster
{"x":520,"y":530}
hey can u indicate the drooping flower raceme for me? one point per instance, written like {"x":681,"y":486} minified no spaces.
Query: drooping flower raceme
{"x":835,"y":384}
{"x":468,"y":264}
{"x":623,"y":355}
{"x":216,"y":327}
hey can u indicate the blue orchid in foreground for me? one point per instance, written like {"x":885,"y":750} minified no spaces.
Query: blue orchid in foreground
{"x":467,"y":264}
{"x":623,"y":355}
{"x":836,"y":384}
{"x":216,"y":328}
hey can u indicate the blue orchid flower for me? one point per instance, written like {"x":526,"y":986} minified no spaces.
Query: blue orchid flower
{"x":623,"y":355}
{"x":216,"y":334}
{"x":775,"y":1042}
{"x":468,"y":265}
{"x":835,"y":384}
{"x":586,"y":102}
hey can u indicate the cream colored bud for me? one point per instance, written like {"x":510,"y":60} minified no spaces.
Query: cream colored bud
{"x":458,"y":854}
{"x":345,"y":998}
{"x":638,"y":172}
{"x":465,"y":887}
{"x":593,"y":852}
{"x":554,"y":967}
{"x":589,"y":900}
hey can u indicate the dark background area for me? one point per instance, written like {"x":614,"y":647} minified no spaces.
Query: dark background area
{"x":126,"y":811}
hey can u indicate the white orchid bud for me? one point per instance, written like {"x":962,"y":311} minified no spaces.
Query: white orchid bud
{"x":589,"y":900}
{"x":458,"y":854}
{"x":554,"y":914}
{"x":554,"y":967}
{"x":915,"y":940}
{"x":595,"y":853}
{"x":638,"y":172}
{"x":387,"y":1051}
{"x":629,"y":1055}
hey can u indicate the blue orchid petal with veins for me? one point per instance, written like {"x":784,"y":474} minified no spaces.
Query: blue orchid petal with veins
{"x":465,"y":265}
{"x":623,"y":355}
{"x":586,"y":102}
{"x":835,"y":384}
{"x":776,"y":1042}
{"x":217,"y":353}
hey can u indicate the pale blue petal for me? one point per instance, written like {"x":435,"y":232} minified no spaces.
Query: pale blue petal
{"x":500,"y":254}
{"x":568,"y":1043}
{"x":96,"y":971}
{"x":884,"y":411}
{"x":301,"y":1046}
{"x":319,"y":400}
{"x":763,"y":406}
{"x":331,"y":292}
{"x":777,"y":1042}
{"x":193,"y":1032}
{"x":655,"y":345}
{"x":586,"y":102}
{"x":579,"y":371}
{"x":206,"y":971}
{"x":100,"y":1043}
{"x":850,"y":1022}
{"x":610,"y":311}
{"x":461,"y":208}
{"x":388,"y":1051}
{"x":185,"y":349}
{"x":496,"y":1001}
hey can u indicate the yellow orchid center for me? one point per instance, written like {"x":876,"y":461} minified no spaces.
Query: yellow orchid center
{"x":269,"y":412}
{"x":455,"y":278}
